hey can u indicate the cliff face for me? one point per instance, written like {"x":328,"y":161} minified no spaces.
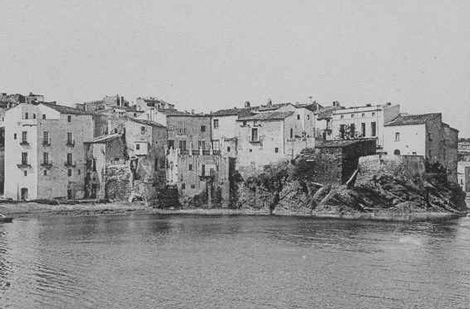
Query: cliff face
{"x":391,"y":184}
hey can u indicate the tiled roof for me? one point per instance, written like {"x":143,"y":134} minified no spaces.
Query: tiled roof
{"x":230,"y":111}
{"x":171,"y":111}
{"x":267,"y":116}
{"x":404,"y":120}
{"x":65,"y":109}
{"x":105,"y":138}
{"x":327,"y":112}
{"x":340,"y":143}
{"x":147,"y":122}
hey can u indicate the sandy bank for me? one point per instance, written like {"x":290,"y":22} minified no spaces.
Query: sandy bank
{"x":35,"y":210}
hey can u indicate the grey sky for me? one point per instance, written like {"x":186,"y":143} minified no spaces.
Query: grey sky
{"x":213,"y":54}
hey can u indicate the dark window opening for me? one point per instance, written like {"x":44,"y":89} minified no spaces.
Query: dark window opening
{"x":190,"y":167}
{"x":216,"y":123}
{"x":183,"y":186}
{"x":373,"y":127}
{"x":291,"y":133}
{"x":203,"y":170}
{"x":228,"y":149}
{"x":69,"y":172}
{"x":69,"y":118}
{"x":14,"y":136}
{"x":26,"y":173}
{"x":193,"y":186}
{"x":45,"y":172}
{"x":276,"y":150}
{"x":203,"y":128}
{"x":43,"y":116}
{"x":342,"y":130}
{"x":298,"y":117}
{"x":26,"y":116}
{"x":363,"y":129}
{"x":171,"y":144}
{"x":24,"y":158}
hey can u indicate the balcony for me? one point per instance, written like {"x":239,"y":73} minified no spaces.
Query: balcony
{"x":47,"y":165}
{"x":24,"y":165}
{"x":46,"y":143}
{"x":70,"y":164}
{"x":70,"y":143}
{"x":255,"y":141}
{"x":24,"y":143}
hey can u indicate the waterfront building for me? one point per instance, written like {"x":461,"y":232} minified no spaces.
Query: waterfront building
{"x":272,"y":136}
{"x":425,"y":135}
{"x":361,"y":122}
{"x":44,"y":151}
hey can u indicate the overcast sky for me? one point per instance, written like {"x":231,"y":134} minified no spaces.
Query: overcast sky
{"x":208,"y":55}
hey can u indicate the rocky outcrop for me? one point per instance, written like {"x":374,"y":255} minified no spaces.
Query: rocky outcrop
{"x":385,"y":185}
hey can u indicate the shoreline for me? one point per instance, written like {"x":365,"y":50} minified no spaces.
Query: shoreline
{"x":35,"y":210}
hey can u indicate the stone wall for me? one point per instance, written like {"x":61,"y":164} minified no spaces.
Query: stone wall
{"x":118,"y":184}
{"x":410,"y":166}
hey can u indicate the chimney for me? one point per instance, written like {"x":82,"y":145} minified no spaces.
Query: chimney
{"x":247,"y":104}
{"x":388,"y":103}
{"x":336,"y":104}
{"x":270,"y":102}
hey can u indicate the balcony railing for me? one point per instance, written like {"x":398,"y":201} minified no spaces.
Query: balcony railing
{"x":70,"y":143}
{"x":46,"y":143}
{"x":24,"y":165}
{"x":24,"y":143}
{"x":47,"y":165}
{"x":70,"y":164}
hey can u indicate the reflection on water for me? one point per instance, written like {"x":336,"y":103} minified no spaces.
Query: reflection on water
{"x":233,"y":262}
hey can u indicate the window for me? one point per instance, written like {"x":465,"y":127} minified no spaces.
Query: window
{"x":342,"y":130}
{"x":414,"y":152}
{"x":430,"y":154}
{"x":24,"y":158}
{"x":43,"y":116}
{"x":298,"y":117}
{"x":171,"y":144}
{"x":397,"y":136}
{"x":190,"y":167}
{"x":182,"y":145}
{"x":308,"y":117}
{"x":79,"y":172}
{"x":373,"y":129}
{"x":201,"y":144}
{"x":34,"y":116}
{"x":291,"y":134}
{"x":183,"y":186}
{"x":26,"y":173}
{"x":69,"y":172}
{"x":69,"y":118}
{"x":244,"y":123}
{"x":137,"y":146}
{"x":251,"y":150}
{"x":228,"y":149}
{"x":396,"y":152}
{"x":45,"y":172}
{"x":203,"y":128}
{"x":352,"y":130}
{"x":363,"y":115}
{"x":215,"y":144}
{"x":373,"y":114}
{"x":24,"y":137}
{"x":276,"y":150}
{"x":342,"y":116}
{"x":254,"y":134}
{"x":216,"y":123}
{"x":14,"y":136}
{"x":429,"y":137}
{"x":26,"y":116}
{"x":203,"y":170}
{"x":352,"y":115}
{"x":69,"y":159}
{"x":69,"y":138}
{"x":45,"y":157}
{"x":363,"y":129}
{"x":142,"y":130}
{"x":193,"y":186}
{"x":45,"y":137}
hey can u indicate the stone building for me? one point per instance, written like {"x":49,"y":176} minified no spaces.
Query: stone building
{"x":103,"y":104}
{"x":105,"y":155}
{"x":189,"y":133}
{"x":273,"y":136}
{"x":425,"y":135}
{"x":361,"y":122}
{"x":44,"y":151}
{"x":206,"y":175}
{"x":336,"y":161}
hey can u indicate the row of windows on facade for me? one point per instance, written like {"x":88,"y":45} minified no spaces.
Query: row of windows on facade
{"x":255,"y":134}
{"x":45,"y":173}
{"x":397,"y":136}
{"x":352,"y":130}
{"x":183,"y":131}
{"x":353,"y":115}
{"x":24,"y":137}
{"x":26,"y":116}
{"x":24,"y":159}
{"x":183,"y":145}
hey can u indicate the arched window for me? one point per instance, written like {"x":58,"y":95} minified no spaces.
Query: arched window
{"x":291,"y":133}
{"x":396,"y":152}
